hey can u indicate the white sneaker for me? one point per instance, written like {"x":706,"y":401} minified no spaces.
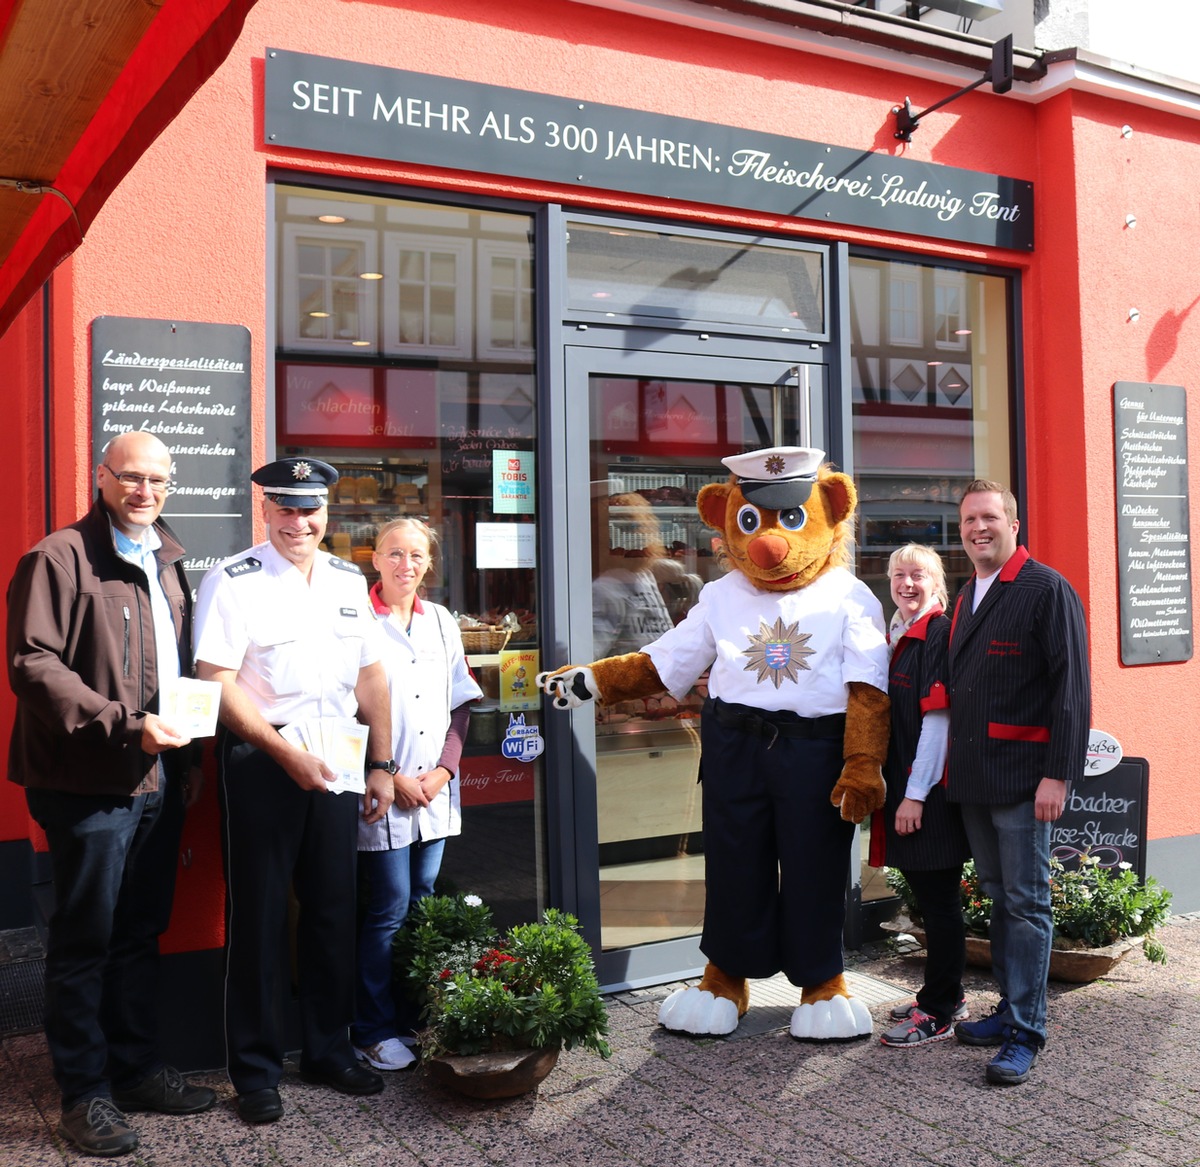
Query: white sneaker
{"x":390,"y":1054}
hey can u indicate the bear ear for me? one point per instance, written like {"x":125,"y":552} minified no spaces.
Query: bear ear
{"x":711,"y":503}
{"x":840,"y":496}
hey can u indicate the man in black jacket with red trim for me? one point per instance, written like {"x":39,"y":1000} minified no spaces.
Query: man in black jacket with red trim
{"x":1020,"y":708}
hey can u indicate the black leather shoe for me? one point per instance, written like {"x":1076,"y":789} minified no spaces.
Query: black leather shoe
{"x":260,"y":1105}
{"x":353,"y":1079}
{"x":166,"y":1092}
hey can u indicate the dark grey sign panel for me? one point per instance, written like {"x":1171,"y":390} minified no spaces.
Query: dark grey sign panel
{"x":1105,"y":817}
{"x":1154,"y":557}
{"x":189,"y":385}
{"x":319,"y":103}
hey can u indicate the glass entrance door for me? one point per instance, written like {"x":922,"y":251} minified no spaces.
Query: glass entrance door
{"x":657,"y":426}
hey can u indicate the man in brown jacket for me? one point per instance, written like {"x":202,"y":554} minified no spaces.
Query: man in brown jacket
{"x":99,"y":619}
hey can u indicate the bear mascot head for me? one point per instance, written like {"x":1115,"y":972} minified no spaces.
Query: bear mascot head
{"x":794,"y":733}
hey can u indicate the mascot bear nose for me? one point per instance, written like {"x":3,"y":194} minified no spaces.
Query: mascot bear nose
{"x":768,"y":551}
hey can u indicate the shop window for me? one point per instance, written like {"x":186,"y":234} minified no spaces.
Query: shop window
{"x":615,"y":272}
{"x":931,"y":410}
{"x":432,"y":415}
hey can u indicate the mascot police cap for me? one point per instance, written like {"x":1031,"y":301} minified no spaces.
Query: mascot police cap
{"x":296,"y":482}
{"x":778,"y":478}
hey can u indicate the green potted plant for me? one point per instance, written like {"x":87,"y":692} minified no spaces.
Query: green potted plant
{"x":498,"y":1009}
{"x":1100,"y":914}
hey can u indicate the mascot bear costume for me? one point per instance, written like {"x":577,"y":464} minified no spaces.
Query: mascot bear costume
{"x":793,"y":736}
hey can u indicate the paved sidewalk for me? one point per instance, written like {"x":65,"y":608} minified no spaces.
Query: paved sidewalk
{"x":1119,"y":1085}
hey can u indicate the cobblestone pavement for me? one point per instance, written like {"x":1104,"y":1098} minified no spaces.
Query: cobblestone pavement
{"x":1118,"y":1084}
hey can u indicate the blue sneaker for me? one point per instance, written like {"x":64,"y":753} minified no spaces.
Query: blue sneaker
{"x":1017,"y":1056}
{"x":989,"y":1030}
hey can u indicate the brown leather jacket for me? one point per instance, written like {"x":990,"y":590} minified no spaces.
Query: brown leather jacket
{"x":82,"y":660}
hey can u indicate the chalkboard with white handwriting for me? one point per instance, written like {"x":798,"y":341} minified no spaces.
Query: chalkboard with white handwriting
{"x":1105,"y":816}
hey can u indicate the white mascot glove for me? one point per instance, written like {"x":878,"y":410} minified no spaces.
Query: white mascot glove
{"x":569,"y":689}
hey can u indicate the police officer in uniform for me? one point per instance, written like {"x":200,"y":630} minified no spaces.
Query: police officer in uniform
{"x":287,"y":630}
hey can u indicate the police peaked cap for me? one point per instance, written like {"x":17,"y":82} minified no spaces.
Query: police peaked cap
{"x":296,"y":482}
{"x":777,"y":478}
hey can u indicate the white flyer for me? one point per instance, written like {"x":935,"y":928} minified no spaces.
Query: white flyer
{"x":190,"y":706}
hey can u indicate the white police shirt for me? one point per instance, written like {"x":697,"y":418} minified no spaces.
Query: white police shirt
{"x":793,"y":650}
{"x":427,"y":677}
{"x":297,"y":644}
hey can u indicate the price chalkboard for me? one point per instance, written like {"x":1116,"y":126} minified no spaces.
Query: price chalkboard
{"x":1154,"y":557}
{"x":1105,"y":816}
{"x":189,"y":385}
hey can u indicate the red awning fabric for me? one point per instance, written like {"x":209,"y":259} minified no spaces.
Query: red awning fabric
{"x":91,"y":112}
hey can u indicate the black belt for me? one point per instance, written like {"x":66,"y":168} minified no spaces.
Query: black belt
{"x":773,"y":725}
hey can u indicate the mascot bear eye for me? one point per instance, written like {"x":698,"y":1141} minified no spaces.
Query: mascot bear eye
{"x":748,"y":519}
{"x":793,"y":518}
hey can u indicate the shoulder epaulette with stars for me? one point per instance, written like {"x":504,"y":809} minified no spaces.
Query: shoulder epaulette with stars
{"x":244,"y":566}
{"x":345,"y":565}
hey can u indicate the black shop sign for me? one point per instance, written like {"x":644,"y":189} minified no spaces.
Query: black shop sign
{"x":344,"y":107}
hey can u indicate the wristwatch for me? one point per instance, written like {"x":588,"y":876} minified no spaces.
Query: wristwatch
{"x":390,"y":766}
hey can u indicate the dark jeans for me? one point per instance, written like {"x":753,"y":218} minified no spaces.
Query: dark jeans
{"x":939,"y":900}
{"x":114,"y":863}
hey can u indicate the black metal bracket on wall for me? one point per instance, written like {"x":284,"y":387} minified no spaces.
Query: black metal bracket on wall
{"x":1000,"y":74}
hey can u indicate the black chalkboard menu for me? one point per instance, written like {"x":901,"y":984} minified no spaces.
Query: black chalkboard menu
{"x":189,"y":385}
{"x":1153,"y":536}
{"x":1105,"y":816}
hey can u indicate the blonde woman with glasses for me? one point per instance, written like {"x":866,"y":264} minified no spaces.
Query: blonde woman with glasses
{"x":400,"y":856}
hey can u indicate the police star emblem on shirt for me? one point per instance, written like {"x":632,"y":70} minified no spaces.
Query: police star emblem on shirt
{"x":778,"y":652}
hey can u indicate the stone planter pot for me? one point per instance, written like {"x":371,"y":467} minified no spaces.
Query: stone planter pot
{"x":1073,"y":966}
{"x":504,"y":1074}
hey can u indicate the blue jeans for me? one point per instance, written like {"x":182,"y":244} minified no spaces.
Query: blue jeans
{"x":113,"y":861}
{"x":395,"y":881}
{"x":1012,"y":859}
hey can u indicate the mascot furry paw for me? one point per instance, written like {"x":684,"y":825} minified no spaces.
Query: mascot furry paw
{"x":794,"y":734}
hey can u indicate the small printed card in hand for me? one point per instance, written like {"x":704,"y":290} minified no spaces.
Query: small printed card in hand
{"x":191,"y":706}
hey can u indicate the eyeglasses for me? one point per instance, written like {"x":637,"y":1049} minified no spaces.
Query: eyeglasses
{"x":133,"y":481}
{"x":413,"y":557}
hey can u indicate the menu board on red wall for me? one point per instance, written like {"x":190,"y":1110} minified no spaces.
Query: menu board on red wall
{"x":1154,"y":555}
{"x":188,"y":384}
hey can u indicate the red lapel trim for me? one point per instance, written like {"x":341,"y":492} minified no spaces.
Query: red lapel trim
{"x":383,"y":609}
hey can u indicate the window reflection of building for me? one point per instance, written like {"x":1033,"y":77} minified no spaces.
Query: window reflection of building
{"x":405,"y":358}
{"x":930,"y":403}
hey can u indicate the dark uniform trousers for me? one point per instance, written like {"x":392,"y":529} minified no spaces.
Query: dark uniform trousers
{"x":277,"y":836}
{"x":776,"y":851}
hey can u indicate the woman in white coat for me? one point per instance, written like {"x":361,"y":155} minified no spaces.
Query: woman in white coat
{"x":400,"y":856}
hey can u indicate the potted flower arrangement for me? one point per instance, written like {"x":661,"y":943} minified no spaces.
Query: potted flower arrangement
{"x":1100,"y":914}
{"x":498,"y":1009}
